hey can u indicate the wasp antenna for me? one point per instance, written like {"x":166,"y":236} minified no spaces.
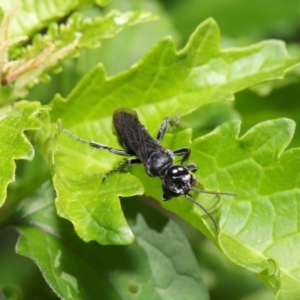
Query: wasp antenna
{"x":204,"y":209}
{"x":213,"y":192}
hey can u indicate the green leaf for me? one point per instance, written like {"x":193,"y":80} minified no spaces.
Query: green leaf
{"x":172,"y":261}
{"x":89,"y":31}
{"x":223,"y":274}
{"x":260,"y":295}
{"x":47,"y":50}
{"x":281,"y":103}
{"x":94,"y":208}
{"x":102,"y":2}
{"x":10,"y":293}
{"x":199,"y":74}
{"x":14,"y":145}
{"x":163,"y":83}
{"x":32,"y":17}
{"x":258,"y":228}
{"x":159,"y":265}
{"x":208,"y":117}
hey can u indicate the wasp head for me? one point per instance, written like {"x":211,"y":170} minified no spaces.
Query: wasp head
{"x":177,"y":181}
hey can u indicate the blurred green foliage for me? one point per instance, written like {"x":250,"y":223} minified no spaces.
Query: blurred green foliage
{"x":241,"y":23}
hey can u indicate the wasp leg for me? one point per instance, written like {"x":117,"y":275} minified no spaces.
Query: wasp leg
{"x":185,"y":152}
{"x":164,"y":126}
{"x":192,"y":167}
{"x":122,"y":152}
{"x":123,"y":165}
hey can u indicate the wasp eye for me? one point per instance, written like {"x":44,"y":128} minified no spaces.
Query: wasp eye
{"x":177,"y":171}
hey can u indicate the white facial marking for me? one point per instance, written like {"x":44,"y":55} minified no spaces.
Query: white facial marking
{"x":186,"y":177}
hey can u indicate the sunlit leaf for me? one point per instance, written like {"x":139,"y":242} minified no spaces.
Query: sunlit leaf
{"x":14,"y":145}
{"x":164,"y":83}
{"x":34,"y":16}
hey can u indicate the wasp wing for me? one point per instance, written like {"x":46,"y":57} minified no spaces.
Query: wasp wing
{"x":133,"y":135}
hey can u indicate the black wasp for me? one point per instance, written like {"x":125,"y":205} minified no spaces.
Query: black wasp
{"x":176,"y":180}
